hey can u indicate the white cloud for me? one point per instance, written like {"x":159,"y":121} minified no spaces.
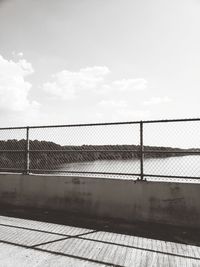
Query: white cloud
{"x":157,"y":100}
{"x":107,"y":99}
{"x":13,"y":87}
{"x":30,"y":116}
{"x":123,"y":86}
{"x":67,"y":84}
{"x":121,"y":114}
{"x":129,"y":85}
{"x":131,"y":114}
{"x":112,"y":104}
{"x":119,"y":110}
{"x":20,"y":54}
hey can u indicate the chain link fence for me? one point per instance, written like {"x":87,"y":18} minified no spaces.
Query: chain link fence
{"x":164,"y":149}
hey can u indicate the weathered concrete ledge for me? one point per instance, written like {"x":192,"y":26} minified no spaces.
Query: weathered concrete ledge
{"x":113,"y":199}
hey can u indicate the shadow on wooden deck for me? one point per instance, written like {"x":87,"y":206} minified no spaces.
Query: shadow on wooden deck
{"x":183,"y":235}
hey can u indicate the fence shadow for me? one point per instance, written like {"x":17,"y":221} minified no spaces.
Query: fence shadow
{"x":178,"y":234}
{"x":96,"y":257}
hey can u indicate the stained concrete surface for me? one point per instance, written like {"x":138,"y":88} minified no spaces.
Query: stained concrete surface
{"x":157,"y":202}
{"x":25,"y":242}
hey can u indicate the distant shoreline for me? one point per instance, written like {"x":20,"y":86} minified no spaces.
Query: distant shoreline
{"x":55,"y":154}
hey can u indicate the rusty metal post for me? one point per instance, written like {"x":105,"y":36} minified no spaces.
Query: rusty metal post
{"x":141,"y":152}
{"x":27,"y":151}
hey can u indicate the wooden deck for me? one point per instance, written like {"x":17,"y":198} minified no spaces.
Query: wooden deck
{"x":32,"y":243}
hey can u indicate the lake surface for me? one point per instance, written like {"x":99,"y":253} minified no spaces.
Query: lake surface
{"x":177,"y":166}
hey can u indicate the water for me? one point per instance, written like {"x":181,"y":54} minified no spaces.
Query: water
{"x":175,"y":166}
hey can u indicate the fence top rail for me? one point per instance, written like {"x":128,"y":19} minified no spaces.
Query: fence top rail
{"x":100,"y":124}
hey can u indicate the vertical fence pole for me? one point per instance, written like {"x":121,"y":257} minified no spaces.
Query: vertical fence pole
{"x":27,"y":151}
{"x":141,"y":152}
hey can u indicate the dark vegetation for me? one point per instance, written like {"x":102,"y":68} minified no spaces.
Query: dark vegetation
{"x":49,"y":155}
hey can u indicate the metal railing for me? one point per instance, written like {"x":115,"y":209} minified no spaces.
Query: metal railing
{"x":137,"y":149}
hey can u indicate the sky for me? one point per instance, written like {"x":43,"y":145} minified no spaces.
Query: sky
{"x":82,"y":61}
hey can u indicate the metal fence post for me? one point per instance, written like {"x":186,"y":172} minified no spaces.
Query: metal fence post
{"x":141,"y":152}
{"x":27,"y":151}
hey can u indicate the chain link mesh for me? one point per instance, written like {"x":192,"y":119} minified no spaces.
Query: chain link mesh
{"x":12,"y":150}
{"x":179,"y":143}
{"x":170,"y":150}
{"x":88,"y":149}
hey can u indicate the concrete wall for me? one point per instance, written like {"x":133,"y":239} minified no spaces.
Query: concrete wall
{"x":171,"y":203}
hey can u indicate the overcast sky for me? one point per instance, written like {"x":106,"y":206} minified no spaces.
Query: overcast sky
{"x":71,"y":61}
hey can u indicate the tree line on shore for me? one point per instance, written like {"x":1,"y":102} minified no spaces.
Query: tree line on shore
{"x":49,"y":155}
